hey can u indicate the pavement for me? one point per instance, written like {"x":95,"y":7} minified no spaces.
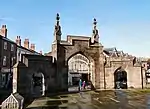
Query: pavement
{"x":109,"y":99}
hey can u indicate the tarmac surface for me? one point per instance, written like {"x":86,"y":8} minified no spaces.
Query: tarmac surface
{"x":108,"y":99}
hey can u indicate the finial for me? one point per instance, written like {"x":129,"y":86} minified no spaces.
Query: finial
{"x":57,"y":17}
{"x":57,"y":31}
{"x":95,"y":35}
{"x":95,"y":22}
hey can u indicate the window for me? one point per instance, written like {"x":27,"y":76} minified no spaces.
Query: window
{"x":19,"y":53}
{"x":12,"y":47}
{"x":53,"y":59}
{"x":4,"y":61}
{"x":3,"y":80}
{"x":5,"y":45}
{"x":19,"y":56}
{"x":3,"y":77}
{"x":12,"y":61}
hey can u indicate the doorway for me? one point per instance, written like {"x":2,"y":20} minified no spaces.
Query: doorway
{"x":78,"y":68}
{"x":120,"y":79}
{"x":85,"y":77}
{"x":38,"y":84}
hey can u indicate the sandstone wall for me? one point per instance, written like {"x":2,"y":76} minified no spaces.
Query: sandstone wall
{"x":92,"y":52}
{"x":31,"y":65}
{"x":134,"y":78}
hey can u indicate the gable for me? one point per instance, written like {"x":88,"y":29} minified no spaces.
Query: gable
{"x":7,"y":99}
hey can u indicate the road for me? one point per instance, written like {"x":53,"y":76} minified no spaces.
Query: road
{"x":117,"y":99}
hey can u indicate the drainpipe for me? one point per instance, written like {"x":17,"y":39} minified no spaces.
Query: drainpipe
{"x":10,"y":61}
{"x":104,"y":73}
{"x":142,"y":76}
{"x":104,"y":79}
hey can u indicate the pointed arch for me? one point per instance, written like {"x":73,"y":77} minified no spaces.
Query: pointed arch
{"x":38,"y":83}
{"x":82,"y":53}
{"x":79,"y":66}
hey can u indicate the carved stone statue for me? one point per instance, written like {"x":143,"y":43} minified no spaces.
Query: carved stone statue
{"x":95,"y":35}
{"x":57,"y":31}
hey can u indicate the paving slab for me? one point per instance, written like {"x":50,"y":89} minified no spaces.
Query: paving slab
{"x":116,"y":99}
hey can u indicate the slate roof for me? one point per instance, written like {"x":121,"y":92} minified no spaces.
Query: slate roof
{"x":17,"y":97}
{"x":32,"y":51}
{"x":113,"y":49}
{"x":113,"y":52}
{"x":6,"y":39}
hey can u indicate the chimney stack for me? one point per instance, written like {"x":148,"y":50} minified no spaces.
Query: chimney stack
{"x":3,"y":31}
{"x":26,"y":43}
{"x":41,"y":52}
{"x":18,"y":41}
{"x":32,"y":47}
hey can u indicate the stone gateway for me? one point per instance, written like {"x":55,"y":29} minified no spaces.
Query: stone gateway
{"x":78,"y":57}
{"x":85,"y":57}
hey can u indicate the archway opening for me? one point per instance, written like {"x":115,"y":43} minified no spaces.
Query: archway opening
{"x":38,"y":84}
{"x":78,"y":68}
{"x":120,"y":79}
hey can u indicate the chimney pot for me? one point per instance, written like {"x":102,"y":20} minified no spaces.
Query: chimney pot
{"x":32,"y":47}
{"x":26,"y":43}
{"x":18,"y":40}
{"x":41,"y":52}
{"x":3,"y":26}
{"x":3,"y":31}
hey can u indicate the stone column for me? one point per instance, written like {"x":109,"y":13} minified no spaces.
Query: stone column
{"x":97,"y":74}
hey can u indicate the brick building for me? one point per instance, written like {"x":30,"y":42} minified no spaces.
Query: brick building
{"x":8,"y":57}
{"x":26,"y":49}
{"x":10,"y":53}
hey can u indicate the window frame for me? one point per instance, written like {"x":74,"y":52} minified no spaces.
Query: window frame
{"x":4,"y":60}
{"x":12,"y":47}
{"x":5,"y":45}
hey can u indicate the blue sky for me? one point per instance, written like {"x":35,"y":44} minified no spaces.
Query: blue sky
{"x":124,"y":24}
